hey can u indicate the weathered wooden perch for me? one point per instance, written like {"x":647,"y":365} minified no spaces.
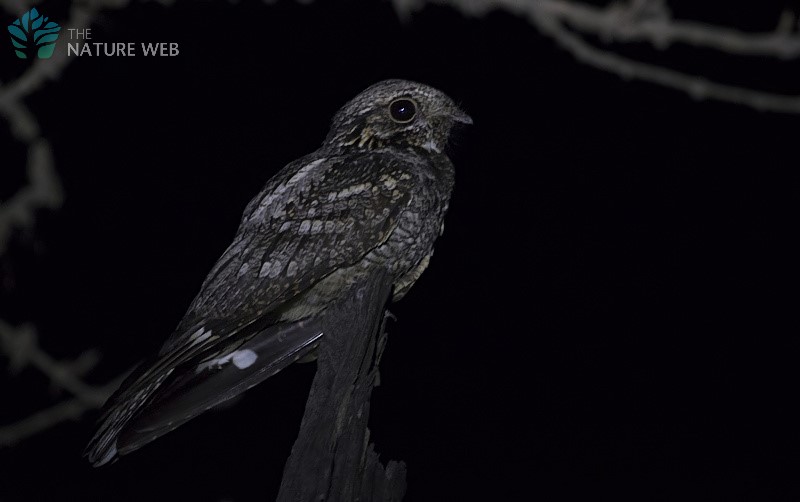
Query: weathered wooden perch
{"x":332,"y":459}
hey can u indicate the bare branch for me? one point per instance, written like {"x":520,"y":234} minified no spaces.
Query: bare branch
{"x":13,"y":434}
{"x":697,"y":87}
{"x":19,"y":211}
{"x":635,"y":21}
{"x":43,"y":190}
{"x":21,"y":347}
{"x":631,"y":23}
{"x":71,"y":409}
{"x":332,"y":458}
{"x":646,"y":21}
{"x":16,"y":7}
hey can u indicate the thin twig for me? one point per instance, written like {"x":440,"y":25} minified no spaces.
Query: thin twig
{"x":697,"y":87}
{"x":567,"y":22}
{"x":42,"y":191}
{"x":621,"y":23}
{"x":21,"y":347}
{"x":71,"y":409}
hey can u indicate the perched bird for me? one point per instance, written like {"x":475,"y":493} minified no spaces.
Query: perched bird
{"x":373,"y":195}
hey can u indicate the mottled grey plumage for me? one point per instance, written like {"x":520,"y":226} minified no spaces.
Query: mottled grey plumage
{"x":373,"y":195}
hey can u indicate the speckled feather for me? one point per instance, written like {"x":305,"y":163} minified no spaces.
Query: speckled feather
{"x":374,"y":194}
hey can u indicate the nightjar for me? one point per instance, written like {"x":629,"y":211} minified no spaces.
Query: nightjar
{"x":373,"y":195}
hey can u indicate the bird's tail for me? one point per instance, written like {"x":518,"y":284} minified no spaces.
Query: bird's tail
{"x":166,"y":392}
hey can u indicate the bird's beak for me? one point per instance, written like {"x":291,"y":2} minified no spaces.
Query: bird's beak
{"x":459,"y":116}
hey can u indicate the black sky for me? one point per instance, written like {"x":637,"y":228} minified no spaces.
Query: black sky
{"x":604,"y":317}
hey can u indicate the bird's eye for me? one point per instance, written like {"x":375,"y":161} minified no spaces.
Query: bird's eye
{"x":402,"y":110}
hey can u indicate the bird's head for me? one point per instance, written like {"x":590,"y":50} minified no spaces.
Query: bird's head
{"x":396,"y":113}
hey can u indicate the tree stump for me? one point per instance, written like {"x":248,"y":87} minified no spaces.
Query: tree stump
{"x":332,"y":459}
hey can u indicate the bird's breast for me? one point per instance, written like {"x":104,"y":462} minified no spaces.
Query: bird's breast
{"x":407,"y":250}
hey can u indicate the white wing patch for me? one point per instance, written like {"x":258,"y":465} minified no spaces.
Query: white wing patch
{"x":240,"y":358}
{"x":244,"y":358}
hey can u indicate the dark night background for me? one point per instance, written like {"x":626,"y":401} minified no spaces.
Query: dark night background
{"x":603,"y":318}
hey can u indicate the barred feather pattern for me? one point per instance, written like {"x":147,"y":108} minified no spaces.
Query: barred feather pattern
{"x":374,"y":195}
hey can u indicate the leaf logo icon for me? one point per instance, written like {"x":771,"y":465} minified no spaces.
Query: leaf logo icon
{"x":33,"y":35}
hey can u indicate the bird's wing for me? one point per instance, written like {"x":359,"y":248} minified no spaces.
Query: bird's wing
{"x":313,"y":218}
{"x":194,"y":388}
{"x":316,"y":216}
